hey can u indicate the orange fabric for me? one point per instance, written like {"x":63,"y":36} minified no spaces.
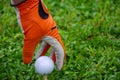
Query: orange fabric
{"x":45,"y":50}
{"x":35,"y":28}
{"x":54,"y":57}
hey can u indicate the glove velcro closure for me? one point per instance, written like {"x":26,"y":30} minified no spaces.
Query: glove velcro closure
{"x":16,"y":2}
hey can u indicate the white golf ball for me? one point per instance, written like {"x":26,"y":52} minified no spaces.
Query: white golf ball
{"x":44,"y":65}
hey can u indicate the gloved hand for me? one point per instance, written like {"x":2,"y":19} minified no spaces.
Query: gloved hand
{"x":38,"y":25}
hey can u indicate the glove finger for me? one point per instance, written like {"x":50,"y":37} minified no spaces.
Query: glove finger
{"x":52,"y":55}
{"x":43,"y":49}
{"x":28,"y":50}
{"x":59,"y":50}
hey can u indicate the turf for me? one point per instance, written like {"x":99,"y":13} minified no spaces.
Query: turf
{"x":90,"y":30}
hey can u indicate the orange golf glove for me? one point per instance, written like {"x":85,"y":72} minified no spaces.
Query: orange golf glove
{"x":38,"y":25}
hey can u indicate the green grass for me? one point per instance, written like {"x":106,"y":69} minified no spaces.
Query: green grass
{"x":89,"y":29}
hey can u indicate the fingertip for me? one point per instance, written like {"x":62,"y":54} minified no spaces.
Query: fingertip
{"x":27,"y":60}
{"x":58,"y":68}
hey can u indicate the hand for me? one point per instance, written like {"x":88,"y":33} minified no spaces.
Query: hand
{"x":39,"y":26}
{"x":53,"y":40}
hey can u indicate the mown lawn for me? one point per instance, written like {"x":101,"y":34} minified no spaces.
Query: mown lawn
{"x":90,"y":30}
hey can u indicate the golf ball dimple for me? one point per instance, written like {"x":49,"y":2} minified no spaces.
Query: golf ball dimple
{"x":44,"y":65}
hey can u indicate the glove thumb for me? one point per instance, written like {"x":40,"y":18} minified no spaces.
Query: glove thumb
{"x":59,"y":51}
